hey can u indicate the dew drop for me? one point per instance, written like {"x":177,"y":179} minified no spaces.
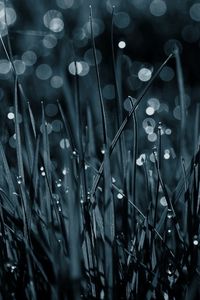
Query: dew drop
{"x":19,"y":179}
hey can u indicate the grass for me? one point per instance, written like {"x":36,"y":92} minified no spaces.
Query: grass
{"x":87,"y":236}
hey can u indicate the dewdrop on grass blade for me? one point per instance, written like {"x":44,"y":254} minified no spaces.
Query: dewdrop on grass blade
{"x":195,"y":240}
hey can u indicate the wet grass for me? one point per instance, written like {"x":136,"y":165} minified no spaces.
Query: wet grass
{"x":87,"y":236}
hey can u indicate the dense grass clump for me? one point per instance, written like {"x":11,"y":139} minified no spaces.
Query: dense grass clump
{"x":79,"y":217}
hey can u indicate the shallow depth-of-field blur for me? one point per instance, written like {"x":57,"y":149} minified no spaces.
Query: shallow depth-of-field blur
{"x":99,"y":149}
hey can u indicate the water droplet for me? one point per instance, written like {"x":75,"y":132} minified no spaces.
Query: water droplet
{"x":195,"y":240}
{"x":120,"y":195}
{"x":19,"y":179}
{"x":163,"y":201}
{"x":169,"y":214}
{"x":59,"y":183}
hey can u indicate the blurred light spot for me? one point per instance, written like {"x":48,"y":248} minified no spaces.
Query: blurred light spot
{"x":195,"y":12}
{"x":152,"y":158}
{"x":53,"y":20}
{"x":167,"y":74}
{"x":133,"y":82}
{"x":79,"y":34}
{"x":5,"y":66}
{"x":51,"y":110}
{"x":177,"y":112}
{"x":140,"y":4}
{"x":121,"y":20}
{"x":48,"y":128}
{"x":158,"y":8}
{"x":64,"y":4}
{"x":97,"y":25}
{"x":150,"y":111}
{"x":56,"y":82}
{"x":11,"y":116}
{"x":121,"y":44}
{"x":109,"y":91}
{"x":191,"y":33}
{"x":149,"y":129}
{"x":168,"y":131}
{"x":163,"y":201}
{"x":187,"y":100}
{"x":163,"y":107}
{"x":89,"y":57}
{"x":128,"y":105}
{"x":57,"y":125}
{"x":11,"y":16}
{"x":148,"y":122}
{"x":20,"y":66}
{"x":75,"y":67}
{"x":144,"y":74}
{"x":56,"y":25}
{"x":152,"y":137}
{"x":154,"y":102}
{"x":7,"y":15}
{"x":49,"y":41}
{"x":81,"y":68}
{"x":29,"y":58}
{"x":171,"y":44}
{"x":111,"y":3}
{"x":43,"y":71}
{"x":64,"y":143}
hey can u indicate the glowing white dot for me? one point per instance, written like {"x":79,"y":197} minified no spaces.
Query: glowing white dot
{"x":11,"y":116}
{"x":167,"y":155}
{"x":163,"y":201}
{"x":150,"y":111}
{"x":120,"y":195}
{"x":195,"y":241}
{"x":121,"y":44}
{"x":195,"y":12}
{"x":144,"y":74}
